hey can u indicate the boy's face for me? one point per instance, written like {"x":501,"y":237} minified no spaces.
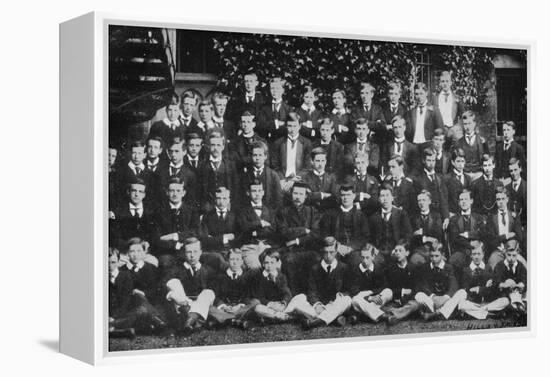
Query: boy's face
{"x":465,"y":202}
{"x":515,"y":171}
{"x":112,"y":156}
{"x":137,"y":193}
{"x":399,"y":253}
{"x":216,"y":146}
{"x":220,"y":104}
{"x":326,"y":131}
{"x":222,"y":199}
{"x":256,"y":193}
{"x":394,"y":95}
{"x":469,"y":125}
{"x":271,"y":264}
{"x":435,"y":257}
{"x":338,"y":100}
{"x":386,"y":199}
{"x":459,"y":163}
{"x":172,"y":112}
{"x":138,"y":155}
{"x":361,"y":165}
{"x":445,"y":83}
{"x":136,"y":253}
{"x":488,"y":167}
{"x":235,"y":262}
{"x":309,"y":99}
{"x":175,"y":153}
{"x":193,"y":253}
{"x":153,"y":149}
{"x":429,"y":162}
{"x":188,"y":106}
{"x":329,"y":254}
{"x":176,"y":192}
{"x":395,"y":169}
{"x":420,"y":96}
{"x":276,"y":89}
{"x":247,"y":124}
{"x":366,"y":258}
{"x":347,"y":198}
{"x":293,"y":128}
{"x":194,"y":147}
{"x":502,"y":201}
{"x":113,"y":263}
{"x":319,"y":162}
{"x":205,"y":114}
{"x":399,"y":129}
{"x":424,"y":202}
{"x":299,"y":195}
{"x":361,"y":131}
{"x":437,"y":142}
{"x":366,"y":95}
{"x":508,"y":132}
{"x":250,"y":83}
{"x":511,"y":255}
{"x":477,"y":255}
{"x":258,"y":157}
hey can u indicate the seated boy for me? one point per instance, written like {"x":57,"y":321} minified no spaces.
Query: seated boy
{"x":327,"y":299}
{"x":365,"y":185}
{"x":188,"y":285}
{"x":369,"y":287}
{"x":511,"y":277}
{"x":437,"y":288}
{"x":206,"y":121}
{"x":241,"y":145}
{"x":219,"y":102}
{"x":269,"y":286}
{"x":477,"y":281}
{"x":310,"y":117}
{"x":427,"y":229}
{"x":233,"y":303}
{"x":362,"y":144}
{"x":323,"y":185}
{"x":171,"y":126}
{"x":334,"y":149}
{"x":121,"y":286}
{"x":189,"y":101}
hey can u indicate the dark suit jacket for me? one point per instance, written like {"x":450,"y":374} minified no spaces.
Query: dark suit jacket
{"x":120,"y":294}
{"x":478,"y":278}
{"x":437,"y":188}
{"x":327,"y":184}
{"x":484,"y":195}
{"x":271,"y":182}
{"x":404,"y":194}
{"x":279,"y":152}
{"x":231,"y":291}
{"x":389,"y":115}
{"x":213,"y":228}
{"x":430,"y":281}
{"x":514,"y":225}
{"x":400,"y":229}
{"x":518,"y":200}
{"x":343,"y":120}
{"x":250,"y":226}
{"x":189,"y":179}
{"x":238,"y":105}
{"x":193,"y":284}
{"x":431,"y":227}
{"x":126,"y":226}
{"x":374,"y":281}
{"x":432,"y":121}
{"x":187,"y":163}
{"x":292,"y":224}
{"x":398,"y":278}
{"x":410,"y":154}
{"x":323,"y":287}
{"x":503,"y":273}
{"x":457,"y":109}
{"x":502,"y":158}
{"x":127,"y":175}
{"x":454,"y":188}
{"x":332,"y":224}
{"x":473,"y":153}
{"x":315,"y":119}
{"x":146,"y":279}
{"x":266,"y":290}
{"x":265,"y":124}
{"x":241,"y":149}
{"x":165,"y":132}
{"x":368,"y":185}
{"x":184,"y":221}
{"x":375,"y":120}
{"x":335,"y":157}
{"x":458,"y":225}
{"x":373,"y":151}
{"x":442,"y":165}
{"x":210,"y":180}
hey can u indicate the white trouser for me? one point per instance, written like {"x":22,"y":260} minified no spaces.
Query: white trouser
{"x":480,"y":311}
{"x":370,"y":309}
{"x":443,"y":304}
{"x":331,"y":311}
{"x":202,"y":303}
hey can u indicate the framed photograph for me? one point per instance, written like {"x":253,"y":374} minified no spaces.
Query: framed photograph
{"x":246,"y":187}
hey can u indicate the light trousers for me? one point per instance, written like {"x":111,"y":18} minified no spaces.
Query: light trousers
{"x":330,"y":312}
{"x":443,"y":304}
{"x":370,"y":309}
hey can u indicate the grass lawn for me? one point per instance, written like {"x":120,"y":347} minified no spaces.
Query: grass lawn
{"x":292,"y":331}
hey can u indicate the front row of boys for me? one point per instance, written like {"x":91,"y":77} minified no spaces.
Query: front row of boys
{"x":191,"y":295}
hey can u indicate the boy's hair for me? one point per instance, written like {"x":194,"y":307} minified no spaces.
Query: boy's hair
{"x":438,"y":132}
{"x":366,"y":85}
{"x":309,"y":88}
{"x":316,"y":151}
{"x":272,"y":253}
{"x":137,"y":241}
{"x":193,"y":136}
{"x":397,"y":118}
{"x":136,"y":181}
{"x":234,"y":251}
{"x":190,"y":241}
{"x":329,"y":241}
{"x":397,"y":158}
{"x":277,"y":80}
{"x":247,"y":114}
{"x":469,"y":114}
{"x":422,"y":86}
{"x":221,"y":190}
{"x":386,"y":186}
{"x":369,"y":247}
{"x":251,"y":73}
{"x":361,"y":121}
{"x":428,"y":152}
{"x":487,"y":157}
{"x":206,"y":104}
{"x":113,"y":251}
{"x":189,"y":94}
{"x":403,"y":242}
{"x":260,"y":145}
{"x":327,"y":120}
{"x":425,"y":192}
{"x":254,"y":182}
{"x":137,"y":144}
{"x":361,"y":156}
{"x":293,"y":116}
{"x":510,"y":123}
{"x":176,"y":140}
{"x":466,"y":191}
{"x":445,"y":73}
{"x":346,"y":187}
{"x":514,"y":161}
{"x":341,"y":91}
{"x":301,"y":184}
{"x":156,"y":138}
{"x":456,"y":153}
{"x":502,"y":190}
{"x":219,"y":96}
{"x":176,"y":180}
{"x":173,"y":100}
{"x":216,"y":133}
{"x":395,"y":85}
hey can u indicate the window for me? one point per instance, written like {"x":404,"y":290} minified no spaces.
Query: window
{"x":195,"y":52}
{"x":424,"y":64}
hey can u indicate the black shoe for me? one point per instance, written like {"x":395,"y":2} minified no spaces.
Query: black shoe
{"x":383,"y":318}
{"x":353,"y":319}
{"x":392,"y":320}
{"x":245,"y":325}
{"x":311,"y":323}
{"x":431,"y":316}
{"x":340,"y":321}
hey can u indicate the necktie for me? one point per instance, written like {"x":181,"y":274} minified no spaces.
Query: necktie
{"x":467,"y":222}
{"x":506,"y":146}
{"x":393,"y":109}
{"x":446,"y":97}
{"x":477,"y":271}
{"x":152,"y":167}
{"x":292,"y":142}
{"x":503,"y":218}
{"x":234,"y":275}
{"x":516,"y":186}
{"x":194,"y":163}
{"x":274,"y":107}
{"x":221,"y":215}
{"x":399,"y":146}
{"x":431,"y":177}
{"x":174,"y":126}
{"x":328,"y":268}
{"x":136,"y":268}
{"x":470,"y":139}
{"x":367,"y":109}
{"x":460,"y":178}
{"x":194,"y":269}
{"x":361,"y":147}
{"x":424,"y":219}
{"x":248,"y":99}
{"x":421,"y":107}
{"x":173,"y":171}
{"x":112,"y":278}
{"x":136,"y":213}
{"x":216,"y":165}
{"x":138,"y":171}
{"x":386,"y":216}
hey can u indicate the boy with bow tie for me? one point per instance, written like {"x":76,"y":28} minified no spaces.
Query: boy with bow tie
{"x":206,"y":121}
{"x":241,"y":146}
{"x":322,"y":184}
{"x":171,"y":126}
{"x":423,"y":119}
{"x":189,"y":101}
{"x":393,"y":106}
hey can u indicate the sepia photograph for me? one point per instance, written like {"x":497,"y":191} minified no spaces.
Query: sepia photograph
{"x":280,"y":188}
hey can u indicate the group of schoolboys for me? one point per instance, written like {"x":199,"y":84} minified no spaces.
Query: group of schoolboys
{"x":261,"y":212}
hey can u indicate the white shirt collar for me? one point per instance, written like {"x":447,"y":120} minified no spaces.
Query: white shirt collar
{"x":429,"y":173}
{"x":332,"y":265}
{"x":458,"y":173}
{"x":169,"y":123}
{"x":178,"y":166}
{"x":317,"y":173}
{"x":466,"y":213}
{"x":247,"y":136}
{"x":362,"y":141}
{"x":364,"y":269}
{"x":212,"y":159}
{"x":346,"y":210}
{"x":292,"y":139}
{"x":114,"y":274}
{"x":133,"y":166}
{"x":473,"y":266}
{"x":221,"y":210}
{"x":134,"y":207}
{"x":258,"y":170}
{"x":132,"y":267}
{"x":230,"y":273}
{"x":399,"y":139}
{"x":513,"y":265}
{"x":266,"y":274}
{"x":190,"y":268}
{"x":441,"y":265}
{"x":175,"y":206}
{"x":217,"y":119}
{"x":304,"y":107}
{"x":153,"y":162}
{"x":339,"y":111}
